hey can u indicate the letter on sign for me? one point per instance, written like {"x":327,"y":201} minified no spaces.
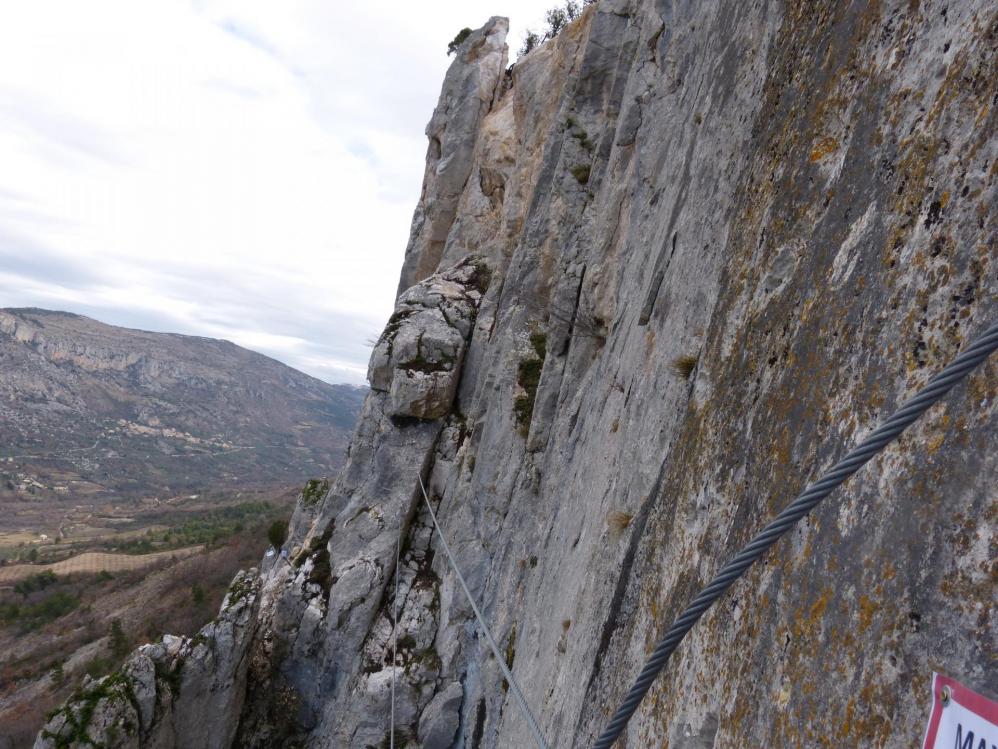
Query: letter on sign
{"x":961,"y":718}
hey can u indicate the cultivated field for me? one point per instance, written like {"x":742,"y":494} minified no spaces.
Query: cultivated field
{"x":94,"y":562}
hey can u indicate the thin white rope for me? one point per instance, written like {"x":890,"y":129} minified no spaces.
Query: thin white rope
{"x":395,"y":631}
{"x":517,"y":693}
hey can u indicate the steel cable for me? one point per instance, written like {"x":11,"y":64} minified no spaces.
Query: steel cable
{"x":890,"y":430}
{"x":395,"y":631}
{"x":517,"y":692}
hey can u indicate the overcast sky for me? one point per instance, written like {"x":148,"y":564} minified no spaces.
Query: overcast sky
{"x":240,"y":169}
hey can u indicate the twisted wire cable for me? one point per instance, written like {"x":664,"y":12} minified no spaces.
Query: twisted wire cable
{"x":395,"y":632}
{"x":500,"y":659}
{"x":890,"y":430}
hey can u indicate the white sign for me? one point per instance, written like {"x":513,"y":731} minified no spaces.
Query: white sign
{"x":961,"y":718}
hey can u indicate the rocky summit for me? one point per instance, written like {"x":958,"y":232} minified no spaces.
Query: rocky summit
{"x":665,"y":270}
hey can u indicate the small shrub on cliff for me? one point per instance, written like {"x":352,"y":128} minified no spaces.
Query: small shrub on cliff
{"x":530,"y":42}
{"x":510,"y":655}
{"x":581,"y":173}
{"x":556,"y":19}
{"x":528,"y":377}
{"x":457,"y":40}
{"x":313,"y":491}
{"x":618,"y":522}
{"x":583,"y":137}
{"x":684,"y":365}
{"x":277,"y":533}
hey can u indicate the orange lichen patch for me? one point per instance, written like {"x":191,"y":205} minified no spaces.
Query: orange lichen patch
{"x":867,"y":608}
{"x":935,"y":443}
{"x":918,"y":153}
{"x":822,"y":148}
{"x":808,"y":624}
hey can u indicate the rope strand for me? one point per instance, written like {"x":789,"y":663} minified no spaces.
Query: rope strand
{"x":395,"y":632}
{"x":500,"y":659}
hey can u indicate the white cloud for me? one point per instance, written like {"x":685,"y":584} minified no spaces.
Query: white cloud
{"x":243,"y":169}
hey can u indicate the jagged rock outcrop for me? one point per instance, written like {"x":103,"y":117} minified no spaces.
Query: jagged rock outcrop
{"x":418,"y":358}
{"x":469,"y":90}
{"x":723,"y":240}
{"x":181,"y":692}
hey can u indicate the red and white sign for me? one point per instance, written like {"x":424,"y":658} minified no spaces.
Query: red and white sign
{"x":961,"y":718}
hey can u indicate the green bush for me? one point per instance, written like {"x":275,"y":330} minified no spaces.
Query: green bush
{"x":98,"y":666}
{"x":456,"y":42}
{"x":208,"y":528}
{"x":528,"y":377}
{"x":118,"y":641}
{"x":556,"y":18}
{"x":313,"y":491}
{"x":34,"y":583}
{"x":277,"y":533}
{"x":30,"y":615}
{"x":530,"y":42}
{"x":57,"y":674}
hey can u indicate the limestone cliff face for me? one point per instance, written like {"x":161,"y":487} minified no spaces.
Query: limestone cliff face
{"x":181,"y":692}
{"x":694,"y":251}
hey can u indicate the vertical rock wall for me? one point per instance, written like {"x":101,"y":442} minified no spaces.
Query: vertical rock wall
{"x":726,"y":239}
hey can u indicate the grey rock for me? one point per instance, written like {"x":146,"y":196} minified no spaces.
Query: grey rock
{"x":469,"y":89}
{"x":783,"y":229}
{"x":182,"y":692}
{"x":439,"y":722}
{"x":417,"y":359}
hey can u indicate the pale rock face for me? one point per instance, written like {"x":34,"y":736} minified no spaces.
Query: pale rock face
{"x":725,"y":239}
{"x":469,"y":89}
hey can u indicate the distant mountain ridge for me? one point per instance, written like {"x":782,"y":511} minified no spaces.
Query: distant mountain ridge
{"x":132,"y":412}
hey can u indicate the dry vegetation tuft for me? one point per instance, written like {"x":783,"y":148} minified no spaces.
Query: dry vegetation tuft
{"x":618,"y":522}
{"x":684,"y":365}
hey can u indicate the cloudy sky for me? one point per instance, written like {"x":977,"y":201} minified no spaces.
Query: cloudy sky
{"x":241,"y":169}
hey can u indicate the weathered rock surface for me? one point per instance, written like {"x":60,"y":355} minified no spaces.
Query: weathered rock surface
{"x":440,"y":719}
{"x":181,"y":692}
{"x":418,"y":357}
{"x":469,"y":90}
{"x":724,"y":240}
